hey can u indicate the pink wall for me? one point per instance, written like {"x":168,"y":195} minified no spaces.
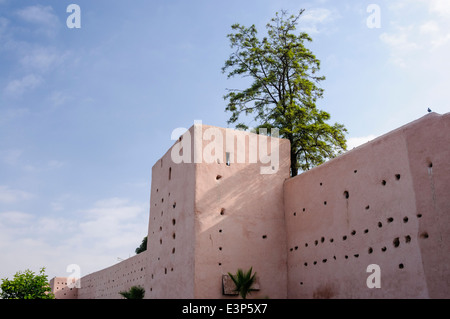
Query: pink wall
{"x":171,"y":240}
{"x":311,"y":236}
{"x":61,"y":290}
{"x":108,"y":282}
{"x":239,"y":220}
{"x":377,"y":204}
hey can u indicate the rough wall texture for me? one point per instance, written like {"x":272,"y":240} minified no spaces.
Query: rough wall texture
{"x":108,"y":282}
{"x":239,"y":218}
{"x":63,"y":288}
{"x":171,"y":237}
{"x":312,"y":236}
{"x":381,"y":203}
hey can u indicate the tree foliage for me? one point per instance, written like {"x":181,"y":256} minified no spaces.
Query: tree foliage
{"x":142,"y":247}
{"x":27,"y":285}
{"x":284,"y":90}
{"x":135,"y":292}
{"x":244,"y":282}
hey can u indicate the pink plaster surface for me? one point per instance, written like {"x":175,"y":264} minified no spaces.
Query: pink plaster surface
{"x":386,"y":202}
{"x":396,"y":216}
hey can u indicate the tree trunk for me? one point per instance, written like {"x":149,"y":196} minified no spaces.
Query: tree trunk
{"x":294,"y":163}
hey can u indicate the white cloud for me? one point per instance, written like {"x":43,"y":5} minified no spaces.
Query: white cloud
{"x":38,"y":14}
{"x":42,"y":18}
{"x":313,"y":21}
{"x":9,"y":195}
{"x":92,"y":238}
{"x":9,"y":114}
{"x":55,"y":164}
{"x":439,"y":7}
{"x":19,"y":87}
{"x":43,"y":59}
{"x":353,"y":142}
{"x":15,"y":218}
{"x":11,"y":157}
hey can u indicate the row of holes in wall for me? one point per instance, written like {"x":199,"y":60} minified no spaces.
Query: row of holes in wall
{"x":354,"y":232}
{"x":346,"y":193}
{"x":166,"y":270}
{"x":395,"y":243}
{"x":370,"y":250}
{"x":107,"y":283}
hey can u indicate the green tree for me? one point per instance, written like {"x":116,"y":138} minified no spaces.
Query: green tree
{"x":284,"y":90}
{"x":244,"y":282}
{"x":135,"y":292}
{"x":142,"y":247}
{"x":27,"y":285}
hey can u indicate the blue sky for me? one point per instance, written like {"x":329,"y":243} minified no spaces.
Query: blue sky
{"x":85,"y":113}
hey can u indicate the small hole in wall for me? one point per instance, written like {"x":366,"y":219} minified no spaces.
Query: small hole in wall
{"x":295,"y":214}
{"x":419,"y":215}
{"x":405,"y":219}
{"x":430,"y":164}
{"x":304,"y":209}
{"x":218,"y":177}
{"x":165,"y":271}
{"x":264,"y":236}
{"x":220,"y":264}
{"x":173,"y":221}
{"x":322,"y":239}
{"x":397,"y":176}
{"x":366,"y":231}
{"x":344,"y":237}
{"x":401,"y":266}
{"x":370,"y":250}
{"x":356,"y":255}
{"x":331,"y":240}
{"x":321,"y":184}
{"x":346,"y":194}
{"x":170,"y":173}
{"x":220,"y":248}
{"x":173,"y":250}
{"x":325,"y":202}
{"x":355,"y":171}
{"x":324,"y":260}
{"x":174,"y":204}
{"x":306,"y":264}
{"x":383,"y":249}
{"x":407,"y":239}
{"x":424,"y":235}
{"x":160,"y":241}
{"x":174,"y":235}
{"x":316,"y":242}
{"x":396,"y":242}
{"x":222,"y":211}
{"x":296,"y":247}
{"x":383,"y":182}
{"x":220,"y":230}
{"x":353,"y":232}
{"x":390,"y":220}
{"x":367,"y":207}
{"x":380,"y":224}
